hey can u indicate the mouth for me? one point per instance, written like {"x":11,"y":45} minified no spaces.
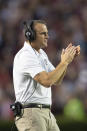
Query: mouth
{"x":45,"y":40}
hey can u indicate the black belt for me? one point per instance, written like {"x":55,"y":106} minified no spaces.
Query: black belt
{"x":33,"y":105}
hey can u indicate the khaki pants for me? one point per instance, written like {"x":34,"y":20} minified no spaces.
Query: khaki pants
{"x":36,"y":119}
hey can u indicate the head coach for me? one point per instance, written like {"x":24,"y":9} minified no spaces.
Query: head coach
{"x":33,"y":76}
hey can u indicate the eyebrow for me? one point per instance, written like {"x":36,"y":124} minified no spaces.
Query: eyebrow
{"x":42,"y":32}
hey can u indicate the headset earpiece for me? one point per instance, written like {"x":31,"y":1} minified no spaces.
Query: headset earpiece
{"x":30,"y":34}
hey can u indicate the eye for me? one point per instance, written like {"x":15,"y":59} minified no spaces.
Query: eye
{"x":44,"y":33}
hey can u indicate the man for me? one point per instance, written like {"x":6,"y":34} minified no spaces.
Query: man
{"x":33,"y":76}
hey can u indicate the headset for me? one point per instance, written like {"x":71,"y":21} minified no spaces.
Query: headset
{"x":30,"y":33}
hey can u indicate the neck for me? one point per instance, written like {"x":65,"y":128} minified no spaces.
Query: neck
{"x":34,"y":45}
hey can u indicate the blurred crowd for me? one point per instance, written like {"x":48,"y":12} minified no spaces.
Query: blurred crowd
{"x":67,"y":22}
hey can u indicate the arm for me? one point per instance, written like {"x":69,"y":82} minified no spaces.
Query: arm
{"x":49,"y":78}
{"x":61,"y":78}
{"x":63,"y":74}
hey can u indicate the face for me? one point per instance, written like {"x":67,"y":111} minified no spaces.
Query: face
{"x":41,"y":35}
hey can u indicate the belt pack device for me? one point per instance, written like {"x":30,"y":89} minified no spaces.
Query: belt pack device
{"x":17,"y":109}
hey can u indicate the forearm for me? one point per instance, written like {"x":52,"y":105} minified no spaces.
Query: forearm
{"x":57,"y":75}
{"x":61,"y":78}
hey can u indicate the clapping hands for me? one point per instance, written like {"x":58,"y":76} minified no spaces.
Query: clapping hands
{"x":69,"y":53}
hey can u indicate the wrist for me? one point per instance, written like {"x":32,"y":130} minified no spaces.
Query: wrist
{"x":64,"y":63}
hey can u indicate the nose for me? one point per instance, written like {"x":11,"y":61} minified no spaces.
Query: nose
{"x":47,"y":36}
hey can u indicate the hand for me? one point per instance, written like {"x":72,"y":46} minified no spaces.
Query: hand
{"x":77,"y":50}
{"x":68,"y":54}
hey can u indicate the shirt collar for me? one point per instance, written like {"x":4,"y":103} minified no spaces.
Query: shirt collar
{"x":26,"y":45}
{"x":29,"y":47}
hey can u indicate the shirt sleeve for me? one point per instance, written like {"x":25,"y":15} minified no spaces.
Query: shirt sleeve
{"x":51,"y":67}
{"x":30,"y":64}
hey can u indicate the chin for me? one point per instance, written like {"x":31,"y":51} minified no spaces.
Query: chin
{"x":45,"y":44}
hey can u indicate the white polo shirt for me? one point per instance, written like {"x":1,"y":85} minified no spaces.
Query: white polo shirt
{"x":28,"y":63}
